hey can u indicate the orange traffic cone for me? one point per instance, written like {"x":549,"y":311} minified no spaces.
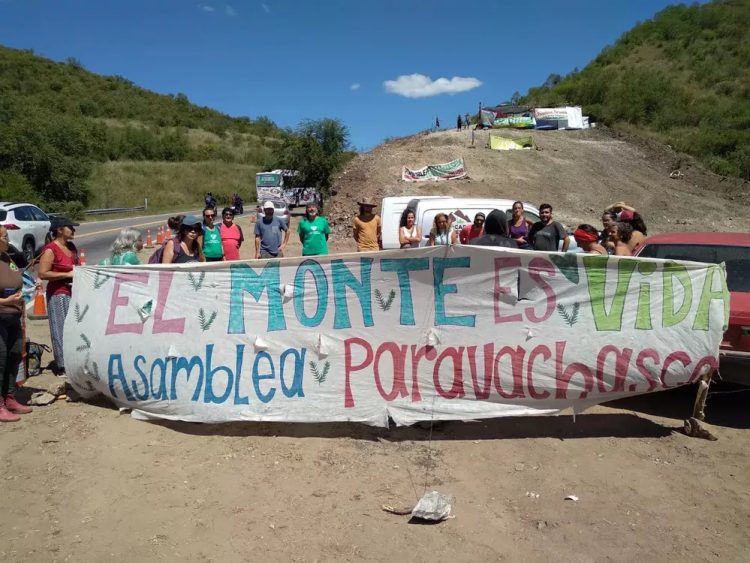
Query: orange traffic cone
{"x":159,"y":237}
{"x":149,"y":240}
{"x":40,"y":306}
{"x":82,"y":257}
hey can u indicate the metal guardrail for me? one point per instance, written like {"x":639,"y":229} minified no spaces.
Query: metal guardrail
{"x":110,"y":210}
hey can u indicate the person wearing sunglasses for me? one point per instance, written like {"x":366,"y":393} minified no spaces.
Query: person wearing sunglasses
{"x":212,"y":248}
{"x":185,"y":246}
{"x":231,"y":235}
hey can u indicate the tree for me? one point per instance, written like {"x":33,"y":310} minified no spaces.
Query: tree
{"x":316,"y":150}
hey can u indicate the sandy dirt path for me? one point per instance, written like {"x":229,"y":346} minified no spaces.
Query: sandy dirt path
{"x":83,"y":482}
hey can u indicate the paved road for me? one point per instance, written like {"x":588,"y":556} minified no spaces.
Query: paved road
{"x":96,"y":237}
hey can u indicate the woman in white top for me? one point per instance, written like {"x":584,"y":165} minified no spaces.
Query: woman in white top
{"x":409,"y":234}
{"x":442,"y":233}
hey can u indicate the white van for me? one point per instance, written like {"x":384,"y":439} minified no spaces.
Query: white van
{"x":425,"y":209}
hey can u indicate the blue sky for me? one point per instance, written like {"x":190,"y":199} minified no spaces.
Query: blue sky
{"x":353,"y":60}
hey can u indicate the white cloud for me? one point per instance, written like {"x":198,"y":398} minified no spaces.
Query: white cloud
{"x":231,"y":12}
{"x":354,"y":86}
{"x":421,"y":86}
{"x":206,"y":8}
{"x":266,"y":8}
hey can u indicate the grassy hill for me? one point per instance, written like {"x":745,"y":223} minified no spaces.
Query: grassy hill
{"x":71,"y":139}
{"x":682,"y":78}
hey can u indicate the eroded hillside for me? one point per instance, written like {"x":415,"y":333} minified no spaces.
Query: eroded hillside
{"x":578,"y":172}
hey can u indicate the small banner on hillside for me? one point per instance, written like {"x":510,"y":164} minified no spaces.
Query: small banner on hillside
{"x":439,"y":333}
{"x":499,"y":143}
{"x":448,"y":171}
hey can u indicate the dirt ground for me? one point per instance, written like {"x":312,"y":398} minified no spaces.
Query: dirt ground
{"x":578,"y":172}
{"x":84,"y":482}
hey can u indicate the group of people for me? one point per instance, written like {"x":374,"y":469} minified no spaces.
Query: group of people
{"x":56,"y":262}
{"x":195,"y":240}
{"x":623,"y":230}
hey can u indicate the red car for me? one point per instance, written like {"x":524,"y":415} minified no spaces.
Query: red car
{"x":734,"y":250}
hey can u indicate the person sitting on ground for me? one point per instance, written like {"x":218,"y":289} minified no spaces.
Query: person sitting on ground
{"x":475,"y":230}
{"x":619,"y":234}
{"x":185,"y":246}
{"x":587,"y":238}
{"x":496,"y":231}
{"x":125,"y":248}
{"x":211,"y":239}
{"x":11,"y":333}
{"x":520,"y":225}
{"x":442,"y":234}
{"x":366,"y":228}
{"x":546,"y":234}
{"x":409,"y":234}
{"x":313,"y":230}
{"x":56,"y":266}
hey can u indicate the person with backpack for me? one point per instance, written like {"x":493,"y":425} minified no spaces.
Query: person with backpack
{"x":231,"y":235}
{"x":185,"y":246}
{"x":11,"y":334}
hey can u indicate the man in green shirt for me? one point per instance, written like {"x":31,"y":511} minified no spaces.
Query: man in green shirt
{"x":313,"y":232}
{"x":211,"y":237}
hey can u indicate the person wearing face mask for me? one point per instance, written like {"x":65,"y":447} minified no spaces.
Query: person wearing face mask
{"x":56,"y":266}
{"x":313,"y":232}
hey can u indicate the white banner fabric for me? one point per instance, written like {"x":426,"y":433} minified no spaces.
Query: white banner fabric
{"x":441,"y":333}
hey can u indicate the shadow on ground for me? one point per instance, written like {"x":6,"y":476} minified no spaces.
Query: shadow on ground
{"x":563,"y":427}
{"x":727,"y":405}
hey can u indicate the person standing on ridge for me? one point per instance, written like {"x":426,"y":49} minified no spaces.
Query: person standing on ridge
{"x":268,"y":243}
{"x":546,"y":234}
{"x":366,"y":228}
{"x":458,"y":122}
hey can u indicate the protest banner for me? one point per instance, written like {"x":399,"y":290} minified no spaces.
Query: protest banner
{"x":438,"y":333}
{"x":452,"y":170}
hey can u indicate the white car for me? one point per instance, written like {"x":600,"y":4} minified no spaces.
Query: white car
{"x":27,"y":227}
